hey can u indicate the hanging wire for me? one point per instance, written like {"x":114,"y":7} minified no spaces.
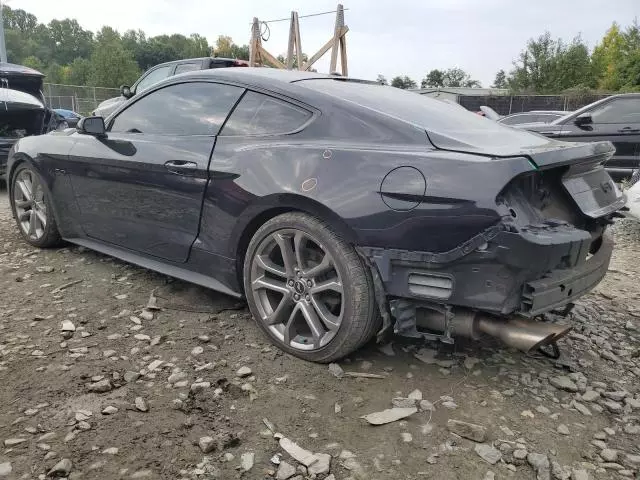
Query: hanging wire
{"x":265,"y":30}
{"x":302,"y":16}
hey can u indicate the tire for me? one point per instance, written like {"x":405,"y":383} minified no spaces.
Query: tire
{"x":24,"y":205}
{"x":321,"y":265}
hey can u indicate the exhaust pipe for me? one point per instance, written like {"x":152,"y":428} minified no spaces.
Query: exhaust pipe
{"x":524,"y":335}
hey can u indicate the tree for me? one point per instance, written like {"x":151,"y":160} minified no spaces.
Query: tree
{"x":403,"y":82}
{"x":226,"y":48}
{"x":34,"y":62}
{"x":451,"y":77}
{"x":19,"y":20}
{"x":79,"y":72}
{"x":435,"y":78}
{"x":69,"y":41}
{"x":500,"y":80}
{"x":111,"y":65}
{"x":615,"y":58}
{"x":382,"y":80}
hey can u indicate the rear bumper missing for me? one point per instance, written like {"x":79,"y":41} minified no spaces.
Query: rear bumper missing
{"x":500,"y":272}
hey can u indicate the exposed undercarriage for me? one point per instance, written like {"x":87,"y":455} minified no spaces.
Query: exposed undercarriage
{"x":549,"y":249}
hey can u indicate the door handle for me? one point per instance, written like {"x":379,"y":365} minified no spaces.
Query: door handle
{"x":180,"y":167}
{"x":180,"y":164}
{"x":629,"y":130}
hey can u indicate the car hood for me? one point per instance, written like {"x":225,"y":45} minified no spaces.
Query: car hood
{"x":111,"y":101}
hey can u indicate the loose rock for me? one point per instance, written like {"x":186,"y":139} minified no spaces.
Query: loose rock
{"x":285,"y":471}
{"x":243,"y":372}
{"x":474,"y":432}
{"x":389,"y":415}
{"x":488,"y":453}
{"x":563,"y":383}
{"x":61,"y":469}
{"x":141,"y":405}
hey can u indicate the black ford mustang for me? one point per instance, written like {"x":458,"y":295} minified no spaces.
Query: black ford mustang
{"x":339,"y":208}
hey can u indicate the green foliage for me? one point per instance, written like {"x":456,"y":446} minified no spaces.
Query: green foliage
{"x":500,"y":80}
{"x":226,"y":48}
{"x":67,"y":53}
{"x":451,"y":77}
{"x":403,"y":82}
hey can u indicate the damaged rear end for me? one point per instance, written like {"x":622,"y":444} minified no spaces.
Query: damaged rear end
{"x":550,"y":247}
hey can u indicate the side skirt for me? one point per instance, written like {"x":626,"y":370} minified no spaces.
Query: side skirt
{"x":155,"y":265}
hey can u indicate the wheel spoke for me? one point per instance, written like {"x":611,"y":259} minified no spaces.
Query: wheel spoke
{"x":42,"y":218}
{"x":270,"y":284}
{"x":25,"y":189}
{"x":282,"y":312}
{"x":265,"y":263}
{"x":323,"y":267}
{"x":289,"y":325}
{"x":315,"y":325}
{"x":298,"y":243}
{"x":333,"y":285}
{"x":330,"y":321}
{"x":33,"y":223}
{"x":288,"y":257}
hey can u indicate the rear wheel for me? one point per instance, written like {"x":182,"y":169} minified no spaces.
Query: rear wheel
{"x":308,"y":289}
{"x":31,"y":207}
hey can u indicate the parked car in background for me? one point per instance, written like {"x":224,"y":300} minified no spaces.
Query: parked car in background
{"x":160,"y":72}
{"x":22,"y":107}
{"x":534,"y":116}
{"x":67,"y":118}
{"x":615,"y":118}
{"x":339,"y":208}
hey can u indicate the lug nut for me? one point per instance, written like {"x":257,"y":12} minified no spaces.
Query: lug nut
{"x":290,"y":283}
{"x":309,"y":284}
{"x":296,"y":297}
{"x":308,"y":298}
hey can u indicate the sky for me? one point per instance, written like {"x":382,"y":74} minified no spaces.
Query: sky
{"x":388,"y":37}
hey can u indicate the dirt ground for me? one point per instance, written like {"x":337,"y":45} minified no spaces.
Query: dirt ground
{"x":95,"y":387}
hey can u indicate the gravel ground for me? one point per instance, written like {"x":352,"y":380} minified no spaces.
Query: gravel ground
{"x":96,"y":386}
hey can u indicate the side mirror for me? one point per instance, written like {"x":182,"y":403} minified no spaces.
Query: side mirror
{"x":91,"y":126}
{"x":126,"y":92}
{"x":582,"y":120}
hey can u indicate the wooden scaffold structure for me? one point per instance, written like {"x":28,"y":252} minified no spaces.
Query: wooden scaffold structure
{"x":337,"y":44}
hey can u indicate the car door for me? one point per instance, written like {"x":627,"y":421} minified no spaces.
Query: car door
{"x":616,"y":120}
{"x":141,"y":186}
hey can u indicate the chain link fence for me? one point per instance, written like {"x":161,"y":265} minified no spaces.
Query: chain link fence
{"x":77,"y":98}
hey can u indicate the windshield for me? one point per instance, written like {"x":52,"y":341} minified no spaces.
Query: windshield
{"x":436,"y":117}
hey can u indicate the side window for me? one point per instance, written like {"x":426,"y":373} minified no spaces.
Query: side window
{"x":259,"y":114}
{"x":196,"y":108}
{"x":621,"y":110}
{"x":153,"y":77}
{"x":511,"y":120}
{"x":187,"y":67}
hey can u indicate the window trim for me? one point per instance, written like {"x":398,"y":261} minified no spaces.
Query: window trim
{"x":314,"y":114}
{"x":135,"y":99}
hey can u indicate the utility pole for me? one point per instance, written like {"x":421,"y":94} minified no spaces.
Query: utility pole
{"x":3,"y":48}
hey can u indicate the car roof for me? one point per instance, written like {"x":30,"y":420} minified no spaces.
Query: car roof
{"x":198,"y":59}
{"x":263,"y":77}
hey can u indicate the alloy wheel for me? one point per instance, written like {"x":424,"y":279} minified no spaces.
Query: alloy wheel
{"x":29,"y":201}
{"x":297,"y":289}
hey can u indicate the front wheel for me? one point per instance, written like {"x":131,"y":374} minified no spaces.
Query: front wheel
{"x":308,"y":289}
{"x":31,"y":207}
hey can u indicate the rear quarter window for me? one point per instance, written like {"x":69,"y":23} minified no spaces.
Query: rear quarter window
{"x":259,"y":114}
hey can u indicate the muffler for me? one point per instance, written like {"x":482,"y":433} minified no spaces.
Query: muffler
{"x":525,"y":335}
